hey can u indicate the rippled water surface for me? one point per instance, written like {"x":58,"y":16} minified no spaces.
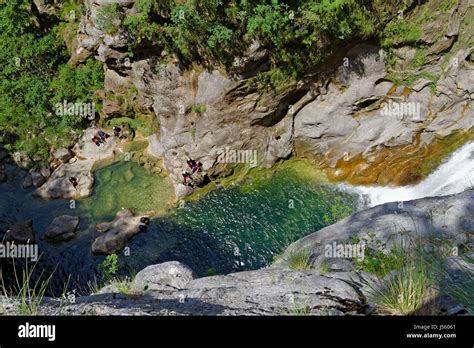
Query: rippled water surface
{"x":237,"y":228}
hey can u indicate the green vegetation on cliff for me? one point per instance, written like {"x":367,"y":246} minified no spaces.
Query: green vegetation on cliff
{"x":298,"y":34}
{"x":34,"y":77}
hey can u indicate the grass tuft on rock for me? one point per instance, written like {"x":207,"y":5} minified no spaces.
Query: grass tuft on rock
{"x":298,"y":259}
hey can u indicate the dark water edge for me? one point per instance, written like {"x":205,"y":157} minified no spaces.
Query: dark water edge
{"x":235,"y":229}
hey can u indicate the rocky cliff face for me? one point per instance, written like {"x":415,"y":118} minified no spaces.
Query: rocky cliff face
{"x":344,"y":117}
{"x":339,"y":288}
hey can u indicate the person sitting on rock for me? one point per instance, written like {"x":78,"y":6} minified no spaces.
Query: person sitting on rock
{"x":145,"y":220}
{"x":117,"y":131}
{"x":96,"y":140}
{"x":187,"y":176}
{"x":74,"y":182}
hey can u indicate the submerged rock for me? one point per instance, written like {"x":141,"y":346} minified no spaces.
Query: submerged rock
{"x":116,"y":233}
{"x":62,"y":228}
{"x":3,"y":175}
{"x":21,"y":233}
{"x":27,"y":181}
{"x":3,"y":153}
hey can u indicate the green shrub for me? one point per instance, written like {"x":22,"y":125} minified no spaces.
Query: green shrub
{"x":298,"y":35}
{"x":199,"y":108}
{"x":463,"y":292}
{"x":128,"y":287}
{"x":211,"y":272}
{"x":413,"y":277}
{"x":109,"y":267}
{"x":305,"y":310}
{"x":380,"y":263}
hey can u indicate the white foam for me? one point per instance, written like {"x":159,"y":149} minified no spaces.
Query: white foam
{"x":454,"y":175}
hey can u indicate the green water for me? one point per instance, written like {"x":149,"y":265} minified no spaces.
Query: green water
{"x":230,"y":229}
{"x":259,"y":218}
{"x":126,"y":184}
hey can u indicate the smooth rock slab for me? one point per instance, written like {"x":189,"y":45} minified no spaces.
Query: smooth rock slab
{"x":387,"y":225}
{"x":165,"y":276}
{"x":59,"y":186}
{"x":62,"y":228}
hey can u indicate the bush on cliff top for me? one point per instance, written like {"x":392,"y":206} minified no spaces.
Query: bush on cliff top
{"x":33,"y":77}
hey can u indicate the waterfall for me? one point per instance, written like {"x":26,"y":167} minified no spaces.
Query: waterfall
{"x":454,"y":175}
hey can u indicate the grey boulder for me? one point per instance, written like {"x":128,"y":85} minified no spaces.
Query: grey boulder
{"x":62,"y":228}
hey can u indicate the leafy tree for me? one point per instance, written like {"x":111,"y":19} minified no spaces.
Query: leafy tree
{"x":298,"y":34}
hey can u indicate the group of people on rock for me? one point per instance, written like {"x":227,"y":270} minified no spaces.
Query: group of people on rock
{"x":195,"y":167}
{"x":144,"y":222}
{"x":100,"y":138}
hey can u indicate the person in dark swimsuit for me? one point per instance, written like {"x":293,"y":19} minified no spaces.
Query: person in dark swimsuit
{"x":96,"y":140}
{"x":191,"y":163}
{"x":197,"y":167}
{"x":117,"y":131}
{"x":186,"y":176}
{"x":74,"y":182}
